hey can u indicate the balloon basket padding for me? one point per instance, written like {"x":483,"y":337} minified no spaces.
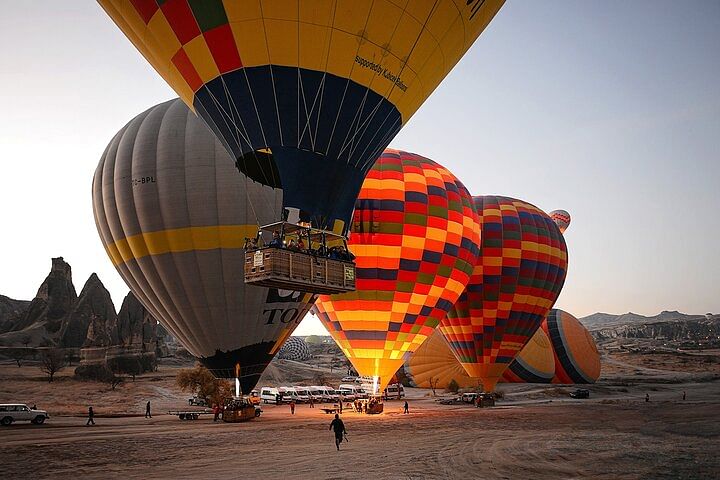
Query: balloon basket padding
{"x":299,"y":271}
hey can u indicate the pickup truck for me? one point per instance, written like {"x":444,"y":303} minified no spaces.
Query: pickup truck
{"x":18,"y":412}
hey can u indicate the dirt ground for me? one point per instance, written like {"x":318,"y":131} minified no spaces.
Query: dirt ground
{"x":536,"y":431}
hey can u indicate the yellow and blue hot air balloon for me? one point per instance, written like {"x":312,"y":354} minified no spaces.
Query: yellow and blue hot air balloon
{"x":305,"y":95}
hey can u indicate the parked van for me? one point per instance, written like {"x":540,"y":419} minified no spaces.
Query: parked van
{"x":331,"y":394}
{"x":395,"y":390}
{"x":303,"y":394}
{"x":349,"y":392}
{"x":288,"y":394}
{"x":318,"y":394}
{"x":268,"y":394}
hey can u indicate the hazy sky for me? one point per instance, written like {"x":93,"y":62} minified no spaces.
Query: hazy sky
{"x":608,"y":109}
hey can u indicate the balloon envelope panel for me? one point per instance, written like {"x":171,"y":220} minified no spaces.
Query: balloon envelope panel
{"x":415,"y":235}
{"x":577,"y":358}
{"x":534,"y":364}
{"x":434,"y":361}
{"x":172,"y":212}
{"x":324,"y":85}
{"x":519,"y":274}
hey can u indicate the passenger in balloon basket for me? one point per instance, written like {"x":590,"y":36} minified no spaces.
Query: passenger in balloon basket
{"x":251,"y":243}
{"x":276,"y":242}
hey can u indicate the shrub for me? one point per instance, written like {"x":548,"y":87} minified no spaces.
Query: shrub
{"x":453,"y":386}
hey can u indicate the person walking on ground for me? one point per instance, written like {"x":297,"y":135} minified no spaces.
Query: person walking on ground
{"x":338,"y":427}
{"x":216,"y":412}
{"x":91,"y":416}
{"x":407,"y":410}
{"x":312,"y":403}
{"x":683,"y":395}
{"x":292,"y":407}
{"x":147,"y":410}
{"x":341,"y":400}
{"x":647,"y":397}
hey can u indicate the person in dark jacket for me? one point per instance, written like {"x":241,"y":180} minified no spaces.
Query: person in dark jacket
{"x":91,"y":416}
{"x":147,"y":410}
{"x":338,"y":427}
{"x":407,"y":410}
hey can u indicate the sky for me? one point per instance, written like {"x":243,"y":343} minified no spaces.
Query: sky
{"x":608,"y":109}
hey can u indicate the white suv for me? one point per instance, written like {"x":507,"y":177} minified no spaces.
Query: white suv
{"x":17,"y":412}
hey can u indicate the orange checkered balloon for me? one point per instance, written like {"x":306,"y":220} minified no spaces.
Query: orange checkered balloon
{"x":518,"y":276}
{"x":415,"y":234}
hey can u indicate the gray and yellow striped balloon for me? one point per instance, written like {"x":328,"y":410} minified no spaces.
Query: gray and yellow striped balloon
{"x":172,"y":212}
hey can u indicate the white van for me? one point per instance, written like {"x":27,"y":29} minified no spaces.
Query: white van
{"x":268,"y":394}
{"x":349,"y":392}
{"x":331,"y":394}
{"x":303,"y":394}
{"x":318,"y":394}
{"x":395,"y":390}
{"x":288,"y":394}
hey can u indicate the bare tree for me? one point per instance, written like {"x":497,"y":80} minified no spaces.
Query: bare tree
{"x":53,"y":360}
{"x":25,"y":340}
{"x":19,"y":354}
{"x":433,"y":384}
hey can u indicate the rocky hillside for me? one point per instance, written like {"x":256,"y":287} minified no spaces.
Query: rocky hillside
{"x":57,"y":316}
{"x":597,"y":321}
{"x":703,"y":330}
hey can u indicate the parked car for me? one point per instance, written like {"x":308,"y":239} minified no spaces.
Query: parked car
{"x":580,"y":393}
{"x":350,"y":379}
{"x":469,"y":397}
{"x":195,"y":400}
{"x":395,"y":390}
{"x":269,"y":394}
{"x":18,"y":412}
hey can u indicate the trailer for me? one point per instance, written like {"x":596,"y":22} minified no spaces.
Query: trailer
{"x":189,"y":414}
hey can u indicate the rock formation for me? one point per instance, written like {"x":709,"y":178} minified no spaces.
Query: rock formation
{"x":92,"y":322}
{"x":55,"y":298}
{"x":11,"y":312}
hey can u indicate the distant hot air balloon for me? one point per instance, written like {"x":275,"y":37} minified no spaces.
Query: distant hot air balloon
{"x":577,"y":359}
{"x":172,"y":212}
{"x":561,"y":219}
{"x":518,"y":276}
{"x":304,"y":95}
{"x":434,"y":361}
{"x":415,"y":234}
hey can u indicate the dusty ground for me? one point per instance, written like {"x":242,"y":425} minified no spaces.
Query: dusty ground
{"x":535,"y":432}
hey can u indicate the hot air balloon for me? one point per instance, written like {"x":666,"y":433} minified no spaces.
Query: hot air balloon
{"x":304,"y":95}
{"x":561,"y":219}
{"x":518,"y":276}
{"x":577,"y":359}
{"x":172,"y":212}
{"x":415,"y":235}
{"x":534,"y":364}
{"x":434,"y":361}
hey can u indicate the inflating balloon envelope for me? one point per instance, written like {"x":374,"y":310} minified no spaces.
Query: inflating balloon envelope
{"x":520,"y":271}
{"x":415,"y":235}
{"x":305,"y":95}
{"x":173,"y":214}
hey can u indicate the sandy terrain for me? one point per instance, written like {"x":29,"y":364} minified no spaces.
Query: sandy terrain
{"x":535,"y":432}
